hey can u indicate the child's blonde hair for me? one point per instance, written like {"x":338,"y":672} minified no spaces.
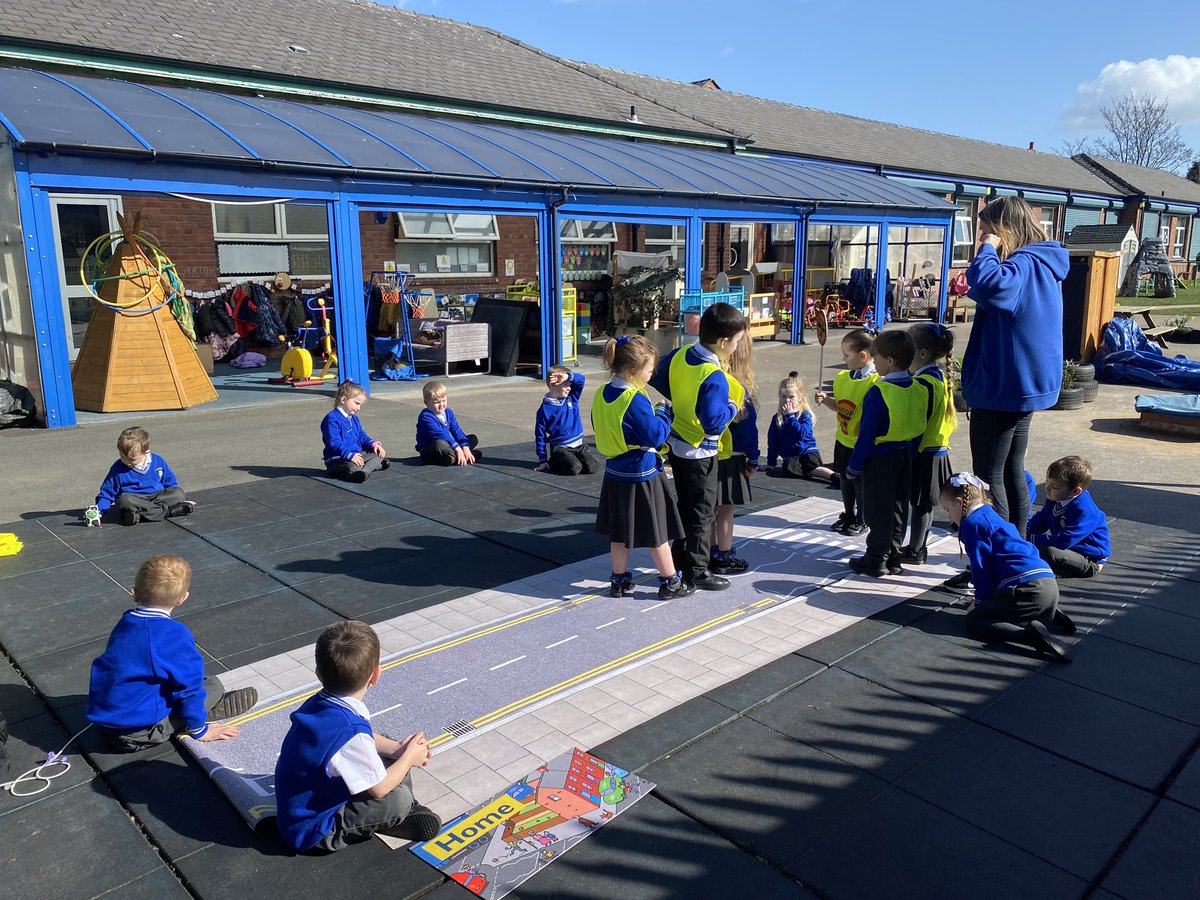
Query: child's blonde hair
{"x":792,"y":384}
{"x":628,"y":355}
{"x":434,"y":390}
{"x":348,"y":389}
{"x":132,"y":439}
{"x":1013,"y":221}
{"x":162,"y":581}
{"x":741,"y":367}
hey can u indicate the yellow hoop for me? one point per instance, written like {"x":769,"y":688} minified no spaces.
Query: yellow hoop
{"x":160,"y":264}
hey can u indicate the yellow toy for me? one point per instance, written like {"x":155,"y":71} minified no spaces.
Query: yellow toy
{"x":296,"y":367}
{"x":10,"y":544}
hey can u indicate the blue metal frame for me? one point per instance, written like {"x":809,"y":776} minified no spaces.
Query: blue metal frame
{"x":799,"y":268}
{"x":350,"y":314}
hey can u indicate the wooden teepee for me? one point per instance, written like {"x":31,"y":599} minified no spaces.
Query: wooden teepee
{"x":131,"y":359}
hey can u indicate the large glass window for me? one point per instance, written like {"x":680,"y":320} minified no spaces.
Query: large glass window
{"x":586,"y":248}
{"x":1049,"y":221}
{"x":964,"y":233}
{"x":264,"y":238}
{"x":446,"y":244}
{"x":668,"y":239}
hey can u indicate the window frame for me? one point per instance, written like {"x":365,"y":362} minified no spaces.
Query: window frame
{"x":1052,"y":231}
{"x":578,"y":238}
{"x":280,"y":237}
{"x":965,"y":212}
{"x":454,"y":237}
{"x":453,"y":234}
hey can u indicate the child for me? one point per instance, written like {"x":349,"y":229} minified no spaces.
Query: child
{"x":140,"y":484}
{"x":440,"y":439}
{"x":1016,"y":596}
{"x":637,"y":508}
{"x":790,"y":435}
{"x":332,"y":787}
{"x":558,"y":430}
{"x":894,"y":413}
{"x":1070,"y":531}
{"x":693,"y":380}
{"x":931,"y":465}
{"x":737,"y":460}
{"x":350,"y":453}
{"x":149,"y":682}
{"x":849,"y":388}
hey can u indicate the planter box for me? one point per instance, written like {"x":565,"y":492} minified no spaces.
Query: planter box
{"x":663,"y":340}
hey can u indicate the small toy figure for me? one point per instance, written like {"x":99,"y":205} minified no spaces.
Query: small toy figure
{"x":91,"y":515}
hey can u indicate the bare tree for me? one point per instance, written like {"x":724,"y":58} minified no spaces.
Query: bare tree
{"x":1141,"y":132}
{"x":1074,"y":147}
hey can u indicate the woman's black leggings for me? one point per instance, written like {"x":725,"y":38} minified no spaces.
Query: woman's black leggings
{"x":998,"y":443}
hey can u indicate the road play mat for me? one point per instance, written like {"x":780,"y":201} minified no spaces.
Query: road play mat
{"x":496,"y":846}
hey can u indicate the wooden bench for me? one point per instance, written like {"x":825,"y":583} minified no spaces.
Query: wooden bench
{"x":1156,"y":333}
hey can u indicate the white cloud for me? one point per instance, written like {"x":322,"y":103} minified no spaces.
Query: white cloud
{"x":1175,"y":79}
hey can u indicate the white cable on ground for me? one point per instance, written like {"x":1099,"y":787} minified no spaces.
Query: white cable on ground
{"x":36,"y":774}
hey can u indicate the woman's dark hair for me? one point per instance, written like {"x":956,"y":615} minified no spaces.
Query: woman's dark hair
{"x":935,"y":338}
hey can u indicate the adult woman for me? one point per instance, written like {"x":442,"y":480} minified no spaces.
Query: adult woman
{"x":1013,"y":363}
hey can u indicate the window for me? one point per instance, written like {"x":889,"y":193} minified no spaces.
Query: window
{"x":262,"y":239}
{"x":668,"y":239}
{"x":575,"y":230}
{"x":1174,"y":235}
{"x":586,"y":248}
{"x":446,"y":244}
{"x":1048,"y":219}
{"x":964,"y":233}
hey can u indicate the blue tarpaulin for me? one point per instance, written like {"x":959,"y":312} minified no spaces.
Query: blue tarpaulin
{"x":1178,"y":406}
{"x":1127,"y":357}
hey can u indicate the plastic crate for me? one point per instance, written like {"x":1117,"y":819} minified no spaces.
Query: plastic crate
{"x":692,"y":305}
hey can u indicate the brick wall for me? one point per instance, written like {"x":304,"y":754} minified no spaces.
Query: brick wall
{"x":184,"y":230}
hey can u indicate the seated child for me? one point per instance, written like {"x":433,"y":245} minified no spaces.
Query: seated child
{"x":1016,"y":596}
{"x":140,"y":484}
{"x":1070,"y":531}
{"x":440,"y":439}
{"x":350,"y":453}
{"x":332,"y":786}
{"x":737,"y":459}
{"x":790,"y":436}
{"x":849,"y":388}
{"x":149,"y":683}
{"x":558,"y":429}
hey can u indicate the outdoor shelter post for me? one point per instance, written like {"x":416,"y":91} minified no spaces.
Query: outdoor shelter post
{"x":881,"y":277}
{"x":694,"y":252}
{"x":345,"y":254}
{"x":799,"y":268}
{"x":550,"y":281}
{"x":944,"y":283}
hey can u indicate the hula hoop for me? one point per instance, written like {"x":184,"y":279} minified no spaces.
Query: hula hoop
{"x":161,"y":267}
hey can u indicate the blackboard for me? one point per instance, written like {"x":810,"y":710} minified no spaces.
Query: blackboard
{"x":508,"y":319}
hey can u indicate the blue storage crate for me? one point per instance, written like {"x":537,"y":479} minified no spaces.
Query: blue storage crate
{"x":692,"y":305}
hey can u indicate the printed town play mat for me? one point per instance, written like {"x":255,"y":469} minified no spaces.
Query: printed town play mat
{"x":499,"y":844}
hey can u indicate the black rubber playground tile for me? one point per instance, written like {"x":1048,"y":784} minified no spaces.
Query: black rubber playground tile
{"x":555,"y":541}
{"x":764,"y":683}
{"x":30,"y":531}
{"x":296,"y":565}
{"x":36,"y":557}
{"x":17,"y":700}
{"x":1156,"y":629}
{"x":274,"y":648}
{"x":29,"y":743}
{"x":909,"y":858}
{"x":1059,"y":811}
{"x":1185,"y":788}
{"x":255,"y":622}
{"x":828,"y":650}
{"x":27,"y":594}
{"x":34,"y":632}
{"x":200,"y":554}
{"x":1164,"y":858}
{"x":860,"y":723}
{"x":226,"y":583}
{"x":161,"y":884}
{"x":663,"y":854}
{"x":62,"y":676}
{"x":379,"y":587}
{"x":242,"y":514}
{"x":362,"y":515}
{"x":1108,"y":735}
{"x":768,"y":793}
{"x":664,"y":734}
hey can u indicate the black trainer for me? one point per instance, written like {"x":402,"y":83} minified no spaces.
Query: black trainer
{"x":129,"y":517}
{"x":1039,"y":638}
{"x":709,"y":582}
{"x":893,"y":565}
{"x":914,"y":556}
{"x":1063,"y":622}
{"x":421,"y":824}
{"x":840,"y":522}
{"x":180,"y":509}
{"x":358,"y":476}
{"x":864,"y":566}
{"x":958,"y":584}
{"x":731,"y":565}
{"x":835,"y":481}
{"x":234,"y":703}
{"x":620,"y":585}
{"x":854,"y":529}
{"x":675,"y":588}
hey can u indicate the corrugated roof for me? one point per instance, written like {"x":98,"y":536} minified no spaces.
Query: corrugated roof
{"x":800,"y":130}
{"x":1153,"y":183}
{"x":97,"y":115}
{"x":347,"y":43}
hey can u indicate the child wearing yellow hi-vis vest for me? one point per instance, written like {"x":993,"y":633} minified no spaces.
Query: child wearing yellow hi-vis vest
{"x":637,"y":505}
{"x":931,"y":465}
{"x":894,"y":413}
{"x":693,"y":379}
{"x":849,"y":388}
{"x":737,"y":459}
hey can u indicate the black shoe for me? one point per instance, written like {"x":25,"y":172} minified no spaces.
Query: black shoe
{"x":916,"y":557}
{"x":864,"y":566}
{"x":959,"y":582}
{"x":1063,"y":622}
{"x":358,"y":476}
{"x":854,"y":529}
{"x":731,"y":565}
{"x":1039,"y":638}
{"x":621,"y":586}
{"x":129,"y":517}
{"x":840,"y":522}
{"x":234,"y":703}
{"x":709,"y":582}
{"x":675,"y":588}
{"x":421,"y":824}
{"x":384,"y":465}
{"x":180,"y":509}
{"x":893,"y":565}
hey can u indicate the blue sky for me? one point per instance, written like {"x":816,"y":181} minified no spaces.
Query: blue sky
{"x":1010,"y":72}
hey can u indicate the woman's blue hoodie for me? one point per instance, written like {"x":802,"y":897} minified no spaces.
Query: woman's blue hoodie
{"x":1014,"y":359}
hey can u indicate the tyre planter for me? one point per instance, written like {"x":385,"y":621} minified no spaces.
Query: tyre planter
{"x":960,"y":404}
{"x":1069,"y":398}
{"x":1084,"y":372}
{"x":1091,"y":390}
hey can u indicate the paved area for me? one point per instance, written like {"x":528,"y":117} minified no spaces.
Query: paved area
{"x":892,"y":757}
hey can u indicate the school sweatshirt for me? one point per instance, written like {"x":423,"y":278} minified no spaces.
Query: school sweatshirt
{"x":793,"y":438}
{"x":343,"y":436}
{"x":745,"y":435}
{"x":1014,"y":358}
{"x":150,"y":669}
{"x":1076,"y":524}
{"x":429,"y":429}
{"x":558,"y":422}
{"x":999,"y":558}
{"x":121,"y":479}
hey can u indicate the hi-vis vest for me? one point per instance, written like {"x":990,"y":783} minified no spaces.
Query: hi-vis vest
{"x":942,"y":420}
{"x":737,"y":394}
{"x":848,"y":393}
{"x":906,"y":411}
{"x":685,"y":391}
{"x":608,"y":421}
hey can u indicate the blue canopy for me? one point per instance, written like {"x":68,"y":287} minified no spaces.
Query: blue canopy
{"x":72,"y":113}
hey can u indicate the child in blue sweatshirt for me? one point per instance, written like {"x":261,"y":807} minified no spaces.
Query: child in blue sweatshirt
{"x":895,"y":411}
{"x":350,"y":453}
{"x":790,"y":438}
{"x":140,"y":485}
{"x":558,"y":428}
{"x":149,"y":683}
{"x":1016,"y":596}
{"x":440,"y":439}
{"x":637,"y":506}
{"x":1070,"y":531}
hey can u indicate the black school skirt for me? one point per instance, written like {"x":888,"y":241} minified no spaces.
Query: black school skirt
{"x":733,"y":482}
{"x":929,"y":475}
{"x":639,"y":513}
